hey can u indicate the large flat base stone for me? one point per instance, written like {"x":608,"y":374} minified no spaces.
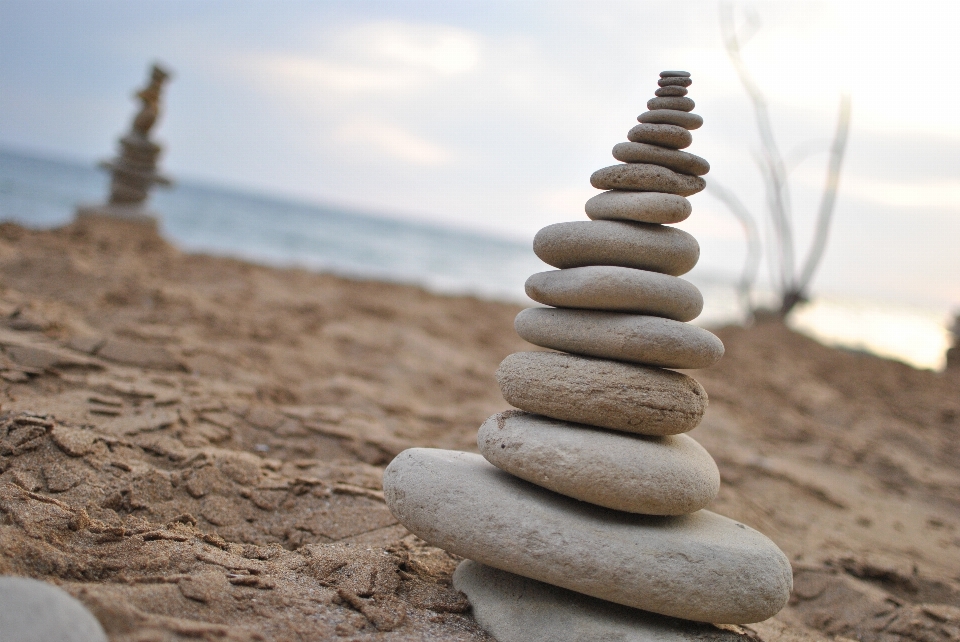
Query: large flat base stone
{"x":513,"y":608}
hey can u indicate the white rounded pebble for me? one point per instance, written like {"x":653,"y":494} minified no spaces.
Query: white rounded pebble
{"x":635,"y":245}
{"x":514,"y":608}
{"x":625,"y":337}
{"x":671,"y":475}
{"x":618,"y":289}
{"x":34,"y":611}
{"x":671,"y":117}
{"x":700,"y":566}
{"x":678,"y":161}
{"x":645,"y":177}
{"x":641,"y":207}
{"x":600,"y":392}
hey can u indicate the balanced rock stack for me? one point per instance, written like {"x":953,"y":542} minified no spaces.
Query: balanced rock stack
{"x":134,"y":173}
{"x":592,"y":485}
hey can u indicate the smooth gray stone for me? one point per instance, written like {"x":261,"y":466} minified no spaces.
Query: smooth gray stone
{"x":674,"y":74}
{"x":671,"y":475}
{"x":640,"y":207}
{"x":650,"y":341}
{"x":644,"y":177}
{"x":635,"y":245}
{"x":671,"y":90}
{"x":682,"y":162}
{"x":600,"y":392}
{"x":513,"y":608}
{"x":618,"y":289}
{"x":676,"y":81}
{"x":664,"y":135}
{"x":671,"y":117}
{"x":701,"y":566}
{"x":34,"y":611}
{"x":678,"y":103}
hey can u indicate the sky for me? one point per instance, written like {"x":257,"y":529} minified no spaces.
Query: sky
{"x":491,"y":115}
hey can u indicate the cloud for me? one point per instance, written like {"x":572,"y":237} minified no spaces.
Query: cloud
{"x":371,"y":138}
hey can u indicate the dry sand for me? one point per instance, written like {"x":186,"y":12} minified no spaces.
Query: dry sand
{"x":193,"y":447}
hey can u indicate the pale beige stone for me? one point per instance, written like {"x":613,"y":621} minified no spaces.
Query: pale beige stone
{"x":619,"y":289}
{"x":641,"y":207}
{"x":699,"y":566}
{"x":676,"y":160}
{"x":646,"y":178}
{"x":625,"y":337}
{"x":671,"y":117}
{"x":664,"y":135}
{"x":635,"y":245}
{"x":35,"y":611}
{"x":600,"y":392}
{"x":670,"y":475}
{"x":513,"y":608}
{"x":678,"y":103}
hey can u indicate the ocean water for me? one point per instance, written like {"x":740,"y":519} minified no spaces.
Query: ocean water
{"x":41,"y":192}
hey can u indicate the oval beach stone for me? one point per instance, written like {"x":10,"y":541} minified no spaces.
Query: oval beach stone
{"x":34,"y":611}
{"x":671,"y":90}
{"x":682,"y":162}
{"x":671,"y":117}
{"x":675,"y":102}
{"x":644,"y":177}
{"x":674,"y":74}
{"x":514,"y":608}
{"x":700,"y":566}
{"x":650,"y":475}
{"x":642,"y":207}
{"x":599,"y":392}
{"x":625,"y":337}
{"x":677,"y":81}
{"x":619,"y":289}
{"x":635,"y":245}
{"x":664,"y":135}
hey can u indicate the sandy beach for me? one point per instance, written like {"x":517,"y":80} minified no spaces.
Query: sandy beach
{"x":193,"y":446}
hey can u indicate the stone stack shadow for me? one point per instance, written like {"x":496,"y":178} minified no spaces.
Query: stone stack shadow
{"x":593,"y":485}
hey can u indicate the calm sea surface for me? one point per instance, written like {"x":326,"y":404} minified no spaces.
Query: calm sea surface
{"x":40,"y":193}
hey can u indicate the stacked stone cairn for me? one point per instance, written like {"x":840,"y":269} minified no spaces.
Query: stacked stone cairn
{"x":134,"y":173}
{"x":593,"y":485}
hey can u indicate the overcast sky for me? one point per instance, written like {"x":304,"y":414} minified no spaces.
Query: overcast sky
{"x":492,"y":115}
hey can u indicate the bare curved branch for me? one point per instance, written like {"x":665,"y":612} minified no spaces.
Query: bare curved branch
{"x":829,"y":198}
{"x":752,"y":261}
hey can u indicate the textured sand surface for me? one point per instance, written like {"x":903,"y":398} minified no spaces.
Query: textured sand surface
{"x":193,"y":447}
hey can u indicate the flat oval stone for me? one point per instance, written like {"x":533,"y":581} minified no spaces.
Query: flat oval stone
{"x":701,"y":566}
{"x":664,"y":135}
{"x":644,"y":177}
{"x":635,"y":245}
{"x":671,"y":90}
{"x":676,"y":81}
{"x":682,"y":162}
{"x":34,"y":611}
{"x":671,"y":102}
{"x":619,"y":289}
{"x":513,"y":608}
{"x":674,"y":74}
{"x":599,"y":392}
{"x":642,"y":207}
{"x":671,"y":475}
{"x":625,"y":337}
{"x":671,"y":117}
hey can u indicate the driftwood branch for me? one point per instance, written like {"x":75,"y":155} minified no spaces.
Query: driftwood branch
{"x":754,"y":247}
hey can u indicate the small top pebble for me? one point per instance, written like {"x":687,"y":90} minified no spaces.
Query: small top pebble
{"x":674,"y":74}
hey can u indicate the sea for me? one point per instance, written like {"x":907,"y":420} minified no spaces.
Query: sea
{"x":43,"y":192}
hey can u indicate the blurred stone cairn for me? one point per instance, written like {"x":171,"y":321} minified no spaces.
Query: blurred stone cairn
{"x":135,"y":171}
{"x":584,"y":517}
